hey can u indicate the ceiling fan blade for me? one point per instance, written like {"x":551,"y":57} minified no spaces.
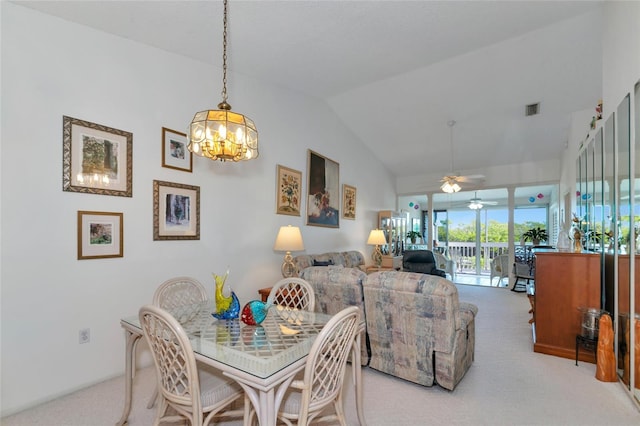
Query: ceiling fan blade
{"x":489,"y":203}
{"x":470,"y":178}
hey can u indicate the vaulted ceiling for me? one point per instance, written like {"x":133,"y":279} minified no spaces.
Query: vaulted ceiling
{"x":396,"y":71}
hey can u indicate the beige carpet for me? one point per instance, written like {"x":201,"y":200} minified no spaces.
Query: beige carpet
{"x":508,"y":384}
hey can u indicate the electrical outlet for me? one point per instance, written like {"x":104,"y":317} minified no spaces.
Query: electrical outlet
{"x":84,"y":335}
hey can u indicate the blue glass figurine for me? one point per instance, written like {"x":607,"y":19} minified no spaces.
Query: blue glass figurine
{"x":226,"y":307}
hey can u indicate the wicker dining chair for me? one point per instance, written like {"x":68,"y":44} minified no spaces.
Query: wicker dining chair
{"x":191,"y":392}
{"x":293,"y":293}
{"x":179,"y":291}
{"x":174,"y":293}
{"x":321,"y":382}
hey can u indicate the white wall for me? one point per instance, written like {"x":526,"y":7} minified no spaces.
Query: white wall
{"x":52,"y":68}
{"x":620,"y":71}
{"x":621,"y":52}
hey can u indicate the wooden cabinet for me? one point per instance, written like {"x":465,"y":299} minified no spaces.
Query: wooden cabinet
{"x":394,"y":226}
{"x":564,"y":283}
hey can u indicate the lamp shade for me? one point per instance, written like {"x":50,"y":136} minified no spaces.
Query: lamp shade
{"x":376,"y":238}
{"x":289,"y":239}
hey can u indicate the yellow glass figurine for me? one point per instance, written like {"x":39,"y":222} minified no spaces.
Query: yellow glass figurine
{"x":227,"y":307}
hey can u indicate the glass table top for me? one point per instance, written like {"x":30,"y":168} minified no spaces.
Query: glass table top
{"x":285,"y":336}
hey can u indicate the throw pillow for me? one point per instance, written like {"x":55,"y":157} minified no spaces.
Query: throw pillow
{"x":320,"y":263}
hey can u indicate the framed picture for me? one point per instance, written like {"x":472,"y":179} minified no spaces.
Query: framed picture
{"x":289,"y":188}
{"x":100,"y":235}
{"x":176,"y":211}
{"x":348,"y":201}
{"x":96,"y":159}
{"x":323,"y":191}
{"x":175,"y":154}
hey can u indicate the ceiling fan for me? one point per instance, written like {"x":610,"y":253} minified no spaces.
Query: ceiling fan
{"x":476,"y":203}
{"x":451,"y":182}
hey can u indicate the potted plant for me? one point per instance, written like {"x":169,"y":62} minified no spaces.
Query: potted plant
{"x":535,"y":235}
{"x":413,"y":236}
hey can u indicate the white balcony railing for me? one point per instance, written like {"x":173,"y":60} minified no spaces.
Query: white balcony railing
{"x":465,"y":255}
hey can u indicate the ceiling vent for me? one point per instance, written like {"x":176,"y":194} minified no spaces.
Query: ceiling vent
{"x":532,"y":109}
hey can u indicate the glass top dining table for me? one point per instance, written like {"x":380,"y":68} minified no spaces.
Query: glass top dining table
{"x":285,"y":336}
{"x":263,"y":358}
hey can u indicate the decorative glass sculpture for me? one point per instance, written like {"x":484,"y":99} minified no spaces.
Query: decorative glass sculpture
{"x":227,"y":307}
{"x":255,"y":312}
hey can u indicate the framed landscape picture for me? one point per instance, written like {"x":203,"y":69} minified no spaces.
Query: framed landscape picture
{"x":323,"y":191}
{"x":348,"y":201}
{"x":289,"y":188}
{"x":175,"y":154}
{"x":176,"y":211}
{"x":96,"y":159}
{"x":100,"y":235}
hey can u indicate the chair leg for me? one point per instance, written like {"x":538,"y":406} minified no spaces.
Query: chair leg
{"x":517,"y":288}
{"x":153,"y":399}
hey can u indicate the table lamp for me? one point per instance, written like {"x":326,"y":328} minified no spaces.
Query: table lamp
{"x":289,"y":239}
{"x":376,"y":238}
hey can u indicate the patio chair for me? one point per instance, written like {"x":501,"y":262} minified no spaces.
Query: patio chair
{"x":500,"y":268}
{"x":447,"y":265}
{"x":524,"y":271}
{"x":196,"y":393}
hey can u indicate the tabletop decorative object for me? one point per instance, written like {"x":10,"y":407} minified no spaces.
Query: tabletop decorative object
{"x":254,"y":312}
{"x":577,"y":232}
{"x":227,"y":307}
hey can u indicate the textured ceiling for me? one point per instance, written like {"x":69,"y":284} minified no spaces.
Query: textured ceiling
{"x":397,"y":71}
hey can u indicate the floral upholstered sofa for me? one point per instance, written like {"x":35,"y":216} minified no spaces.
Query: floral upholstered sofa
{"x":348,"y":259}
{"x":416,"y":328}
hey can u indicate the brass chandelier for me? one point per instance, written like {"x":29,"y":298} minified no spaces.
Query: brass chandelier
{"x":221,"y":134}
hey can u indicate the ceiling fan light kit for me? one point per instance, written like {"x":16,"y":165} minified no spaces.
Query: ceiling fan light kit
{"x":476,"y":203}
{"x":450,"y":186}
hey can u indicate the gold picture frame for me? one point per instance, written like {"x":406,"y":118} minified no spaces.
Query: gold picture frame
{"x":100,"y":235}
{"x":288,"y":190}
{"x":96,"y":159}
{"x":323,"y":191}
{"x":175,"y":154}
{"x":176,"y":211}
{"x":348,"y":201}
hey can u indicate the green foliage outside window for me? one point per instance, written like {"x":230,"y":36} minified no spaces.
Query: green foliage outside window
{"x":498,"y":232}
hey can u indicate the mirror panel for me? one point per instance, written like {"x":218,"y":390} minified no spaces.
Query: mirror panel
{"x":635,"y":261}
{"x":609,"y":204}
{"x":623,"y":237}
{"x":589,"y":198}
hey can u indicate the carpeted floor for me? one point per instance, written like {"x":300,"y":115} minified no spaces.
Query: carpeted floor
{"x":508,"y":384}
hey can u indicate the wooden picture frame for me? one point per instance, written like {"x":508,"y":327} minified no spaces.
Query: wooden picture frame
{"x":100,"y":235}
{"x":323,"y":191}
{"x":175,"y":154}
{"x":176,"y":211}
{"x":288,"y":191}
{"x":348,"y":201}
{"x":96,"y":159}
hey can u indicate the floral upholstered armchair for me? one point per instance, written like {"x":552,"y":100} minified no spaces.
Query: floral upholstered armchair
{"x":335,"y":288}
{"x":418,"y":329}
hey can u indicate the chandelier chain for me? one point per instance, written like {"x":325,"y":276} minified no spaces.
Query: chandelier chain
{"x":224,"y":55}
